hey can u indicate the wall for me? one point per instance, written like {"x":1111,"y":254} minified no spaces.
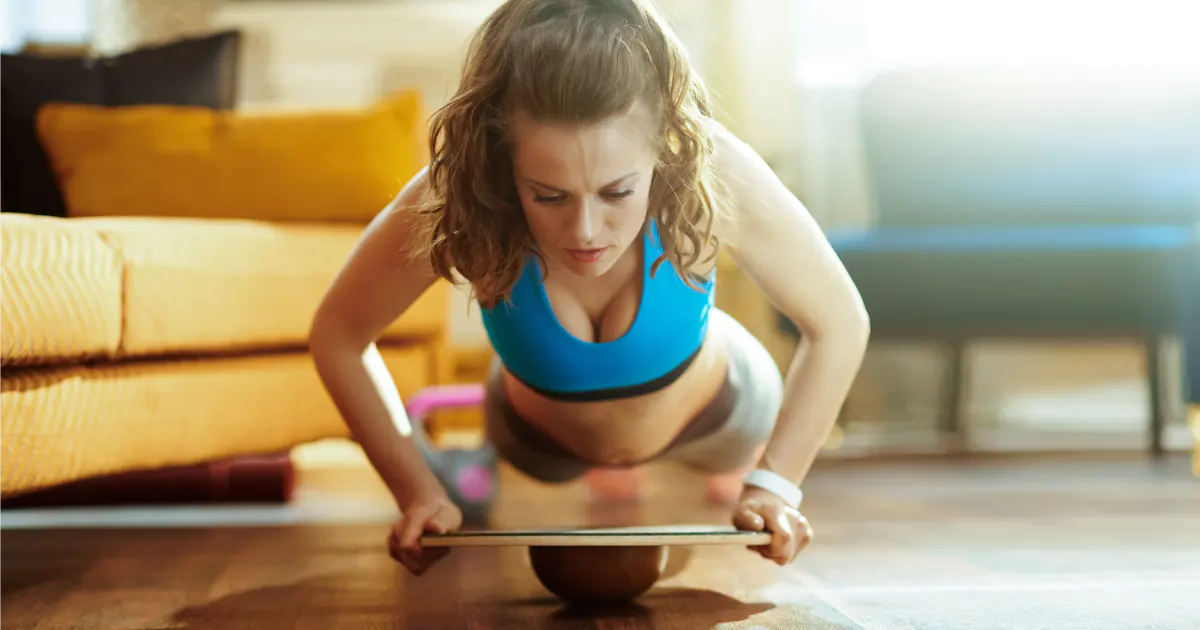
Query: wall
{"x":335,"y":54}
{"x":117,"y":24}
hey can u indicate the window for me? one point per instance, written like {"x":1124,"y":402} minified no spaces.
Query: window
{"x":845,"y":42}
{"x":44,"y":22}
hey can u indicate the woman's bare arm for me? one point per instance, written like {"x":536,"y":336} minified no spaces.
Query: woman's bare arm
{"x":783,"y":250}
{"x":375,"y":286}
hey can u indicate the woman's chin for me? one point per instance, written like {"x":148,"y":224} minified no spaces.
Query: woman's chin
{"x":587,"y":270}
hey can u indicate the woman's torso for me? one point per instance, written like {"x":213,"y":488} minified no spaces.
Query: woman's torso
{"x":630,"y":328}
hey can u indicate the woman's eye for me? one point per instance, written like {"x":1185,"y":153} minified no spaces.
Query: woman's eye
{"x":560,"y":198}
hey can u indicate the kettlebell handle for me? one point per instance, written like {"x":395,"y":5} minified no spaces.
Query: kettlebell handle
{"x":430,"y":399}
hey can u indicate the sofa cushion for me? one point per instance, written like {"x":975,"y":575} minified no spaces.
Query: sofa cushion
{"x":61,"y":292}
{"x":199,"y":71}
{"x":194,"y":285}
{"x":1079,"y":237}
{"x":1084,"y":279}
{"x":310,"y":165}
{"x":67,"y":423}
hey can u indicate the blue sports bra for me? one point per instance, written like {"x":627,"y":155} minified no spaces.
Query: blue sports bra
{"x":665,"y":337}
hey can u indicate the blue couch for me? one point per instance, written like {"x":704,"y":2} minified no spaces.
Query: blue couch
{"x":1015,"y":205}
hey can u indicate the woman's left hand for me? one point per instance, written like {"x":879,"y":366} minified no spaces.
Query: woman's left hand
{"x":759,"y":510}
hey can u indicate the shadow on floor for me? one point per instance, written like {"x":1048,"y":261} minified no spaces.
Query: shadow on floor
{"x":338,"y":601}
{"x":32,"y":559}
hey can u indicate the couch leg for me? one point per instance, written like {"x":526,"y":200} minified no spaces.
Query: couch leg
{"x":955,"y":393}
{"x":1154,"y":382}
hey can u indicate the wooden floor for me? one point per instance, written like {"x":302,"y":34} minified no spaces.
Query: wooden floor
{"x":993,"y":544}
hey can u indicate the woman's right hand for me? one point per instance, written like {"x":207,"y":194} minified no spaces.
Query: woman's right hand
{"x":430,"y":514}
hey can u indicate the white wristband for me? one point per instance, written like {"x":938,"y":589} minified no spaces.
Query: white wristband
{"x":776,"y":484}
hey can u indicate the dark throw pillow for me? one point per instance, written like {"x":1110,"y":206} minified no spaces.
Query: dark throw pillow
{"x":199,"y":71}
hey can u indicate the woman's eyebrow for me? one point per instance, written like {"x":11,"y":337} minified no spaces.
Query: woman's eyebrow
{"x":556,"y":189}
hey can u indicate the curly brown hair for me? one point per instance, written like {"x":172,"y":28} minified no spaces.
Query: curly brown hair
{"x":572,"y":61}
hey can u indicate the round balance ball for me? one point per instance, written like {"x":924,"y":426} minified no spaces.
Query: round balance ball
{"x":597,"y":575}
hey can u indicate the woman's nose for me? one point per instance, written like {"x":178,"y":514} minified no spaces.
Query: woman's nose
{"x":587,"y":222}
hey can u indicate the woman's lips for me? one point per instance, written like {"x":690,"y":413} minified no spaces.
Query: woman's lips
{"x":587,"y":255}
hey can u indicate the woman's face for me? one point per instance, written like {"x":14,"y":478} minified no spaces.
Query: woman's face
{"x":584,"y":188}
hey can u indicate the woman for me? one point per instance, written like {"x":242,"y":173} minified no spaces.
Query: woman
{"x":580,"y":187}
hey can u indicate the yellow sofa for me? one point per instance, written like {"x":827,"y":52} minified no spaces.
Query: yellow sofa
{"x":164,"y":321}
{"x":134,"y":343}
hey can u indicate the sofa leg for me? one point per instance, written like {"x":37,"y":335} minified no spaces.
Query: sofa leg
{"x":955,"y":392}
{"x":1157,"y":394}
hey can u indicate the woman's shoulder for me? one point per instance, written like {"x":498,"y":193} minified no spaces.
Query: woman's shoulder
{"x":734,"y":161}
{"x":750,"y":185}
{"x":413,"y":194}
{"x":729,"y":165}
{"x":402,"y":216}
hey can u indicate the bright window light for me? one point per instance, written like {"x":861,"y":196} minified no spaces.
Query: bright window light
{"x":44,"y":22}
{"x":67,"y":21}
{"x":845,"y":42}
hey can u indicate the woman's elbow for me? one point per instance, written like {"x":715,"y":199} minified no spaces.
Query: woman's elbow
{"x":849,"y":329}
{"x":328,"y":332}
{"x":851,"y":334}
{"x":855,"y":328}
{"x":860,"y":323}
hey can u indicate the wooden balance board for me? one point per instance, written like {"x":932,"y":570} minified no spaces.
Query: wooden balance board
{"x":642,"y":536}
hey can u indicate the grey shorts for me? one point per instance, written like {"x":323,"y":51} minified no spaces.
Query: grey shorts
{"x":745,"y":410}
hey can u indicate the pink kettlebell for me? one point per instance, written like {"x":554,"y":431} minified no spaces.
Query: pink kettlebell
{"x":468,"y":474}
